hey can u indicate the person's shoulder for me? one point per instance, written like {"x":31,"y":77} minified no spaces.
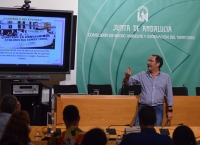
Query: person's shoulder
{"x":79,"y":130}
{"x":133,"y":135}
{"x":142,"y":73}
{"x":5,"y":114}
{"x":74,"y":131}
{"x":129,"y":138}
{"x":61,"y":135}
{"x":165,"y":138}
{"x":4,"y":117}
{"x":164,"y":74}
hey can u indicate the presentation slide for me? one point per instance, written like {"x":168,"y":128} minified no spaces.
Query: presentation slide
{"x":31,"y":40}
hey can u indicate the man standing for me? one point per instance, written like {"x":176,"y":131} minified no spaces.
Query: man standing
{"x":155,"y":84}
{"x":8,"y":104}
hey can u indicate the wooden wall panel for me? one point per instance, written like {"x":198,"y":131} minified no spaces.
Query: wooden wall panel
{"x":99,"y":110}
{"x":106,"y":110}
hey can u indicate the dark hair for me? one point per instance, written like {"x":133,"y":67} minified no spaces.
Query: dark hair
{"x":95,"y":136}
{"x":147,"y":116}
{"x":71,"y":114}
{"x":158,"y":59}
{"x":17,"y":126}
{"x":183,"y":135}
{"x":8,"y":103}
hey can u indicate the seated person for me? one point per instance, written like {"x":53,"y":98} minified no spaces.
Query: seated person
{"x":148,"y":135}
{"x":95,"y":136}
{"x":9,"y":139}
{"x":72,"y":135}
{"x":183,"y":135}
{"x":12,"y":142}
{"x":18,"y":128}
{"x":8,"y":104}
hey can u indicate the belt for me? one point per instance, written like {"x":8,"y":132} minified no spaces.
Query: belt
{"x":148,"y":105}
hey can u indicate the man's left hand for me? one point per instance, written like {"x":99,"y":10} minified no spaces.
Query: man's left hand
{"x":169,"y":116}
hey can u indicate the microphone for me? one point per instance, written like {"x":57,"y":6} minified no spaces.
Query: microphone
{"x":186,"y":89}
{"x":112,"y":131}
{"x":166,"y":131}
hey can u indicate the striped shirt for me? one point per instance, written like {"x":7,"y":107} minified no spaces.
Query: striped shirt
{"x":154,"y":89}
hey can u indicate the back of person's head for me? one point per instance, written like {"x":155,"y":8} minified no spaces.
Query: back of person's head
{"x":18,"y":126}
{"x":8,"y":104}
{"x":183,"y":135}
{"x":147,"y":116}
{"x":95,"y":136}
{"x":71,"y":115}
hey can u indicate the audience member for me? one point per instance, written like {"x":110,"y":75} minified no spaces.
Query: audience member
{"x":8,"y":104}
{"x":95,"y":136}
{"x":72,"y":135}
{"x":183,"y":135}
{"x":18,"y":126}
{"x":9,"y":139}
{"x":12,"y":142}
{"x":148,"y":135}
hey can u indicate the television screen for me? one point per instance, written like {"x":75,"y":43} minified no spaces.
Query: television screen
{"x":35,"y":41}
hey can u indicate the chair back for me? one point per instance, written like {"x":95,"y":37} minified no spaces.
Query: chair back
{"x":197,"y":91}
{"x":125,"y":89}
{"x":65,"y":89}
{"x":104,"y":89}
{"x":180,"y":91}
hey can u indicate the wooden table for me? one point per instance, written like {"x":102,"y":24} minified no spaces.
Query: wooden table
{"x":119,"y":130}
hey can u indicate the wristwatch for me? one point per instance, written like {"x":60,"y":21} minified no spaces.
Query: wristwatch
{"x":170,"y":110}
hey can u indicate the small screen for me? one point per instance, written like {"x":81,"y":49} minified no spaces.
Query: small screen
{"x":31,"y":40}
